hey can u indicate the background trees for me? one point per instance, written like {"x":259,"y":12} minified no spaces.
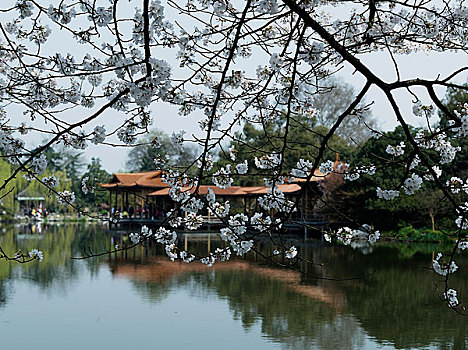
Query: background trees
{"x":66,"y":166}
{"x":156,"y":145}
{"x":303,"y":140}
{"x":302,"y":133}
{"x":94,"y":175}
{"x":332,"y":101}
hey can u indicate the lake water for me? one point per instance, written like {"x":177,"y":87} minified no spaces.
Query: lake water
{"x":141,"y":300}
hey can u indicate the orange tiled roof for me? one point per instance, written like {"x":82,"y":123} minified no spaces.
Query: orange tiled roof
{"x":287,"y":188}
{"x":318,"y":176}
{"x":143,"y":179}
{"x":153,"y":179}
{"x":231,"y":191}
{"x":203,"y":189}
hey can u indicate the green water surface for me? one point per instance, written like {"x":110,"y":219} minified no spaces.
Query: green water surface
{"x":141,"y":300}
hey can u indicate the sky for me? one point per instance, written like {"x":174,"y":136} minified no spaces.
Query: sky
{"x":165,"y":116}
{"x":421,"y":65}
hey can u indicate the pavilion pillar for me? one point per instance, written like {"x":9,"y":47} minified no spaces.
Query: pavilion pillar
{"x":142,"y":205}
{"x":110,"y":201}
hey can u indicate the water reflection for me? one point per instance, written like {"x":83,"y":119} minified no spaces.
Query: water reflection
{"x":289,"y":312}
{"x":395,"y":307}
{"x":398,"y":304}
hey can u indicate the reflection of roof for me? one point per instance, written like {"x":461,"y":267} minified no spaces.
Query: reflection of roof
{"x":159,"y":269}
{"x":231,"y":191}
{"x":143,"y":179}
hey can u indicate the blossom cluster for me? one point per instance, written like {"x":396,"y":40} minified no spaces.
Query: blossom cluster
{"x":421,"y":110}
{"x":355,"y":173}
{"x":36,"y":254}
{"x":387,"y":194}
{"x":451,"y":297}
{"x":268,"y":161}
{"x":397,"y":150}
{"x":364,"y":235}
{"x":412,"y":184}
{"x":327,"y":167}
{"x":302,"y":169}
{"x":66,"y":197}
{"x":276,"y":200}
{"x":440,"y":143}
{"x":456,"y":185}
{"x":87,"y":185}
{"x":443,"y":268}
{"x":222,"y":178}
{"x":50,"y":181}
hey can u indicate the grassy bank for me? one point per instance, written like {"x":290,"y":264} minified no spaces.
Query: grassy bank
{"x":412,"y":234}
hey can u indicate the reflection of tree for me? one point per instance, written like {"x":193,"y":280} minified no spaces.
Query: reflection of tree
{"x":5,"y":291}
{"x":151,"y":281}
{"x":154,"y":292}
{"x":398,"y":304}
{"x":344,"y":332}
{"x":285,"y":316}
{"x":59,"y":244}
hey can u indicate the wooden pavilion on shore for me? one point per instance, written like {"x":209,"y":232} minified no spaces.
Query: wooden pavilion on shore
{"x":144,"y":197}
{"x":128,"y":192}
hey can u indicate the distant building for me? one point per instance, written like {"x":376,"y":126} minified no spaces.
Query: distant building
{"x":29,"y":200}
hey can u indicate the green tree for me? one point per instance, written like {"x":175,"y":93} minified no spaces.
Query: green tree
{"x":359,"y":201}
{"x":303,"y":140}
{"x":7,"y":202}
{"x":19,"y":184}
{"x":95,"y":174}
{"x":454,"y":99}
{"x":71,"y":162}
{"x":64,"y":158}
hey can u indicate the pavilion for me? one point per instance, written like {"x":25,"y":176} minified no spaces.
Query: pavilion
{"x":145,"y":196}
{"x":29,"y":199}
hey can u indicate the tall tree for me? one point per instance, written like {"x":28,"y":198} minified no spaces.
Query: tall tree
{"x":332,"y":100}
{"x":90,"y":193}
{"x":158,"y":145}
{"x":303,"y":141}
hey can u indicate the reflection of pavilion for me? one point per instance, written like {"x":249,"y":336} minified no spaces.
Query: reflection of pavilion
{"x":144,"y":198}
{"x":160,"y":269}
